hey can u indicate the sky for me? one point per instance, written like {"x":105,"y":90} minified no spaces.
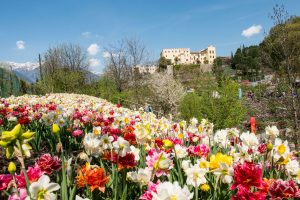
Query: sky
{"x":30,"y":27}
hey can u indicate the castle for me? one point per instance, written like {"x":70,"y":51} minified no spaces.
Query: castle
{"x":186,"y":56}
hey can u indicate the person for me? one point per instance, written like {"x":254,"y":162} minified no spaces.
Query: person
{"x":250,"y":94}
{"x":150,"y":109}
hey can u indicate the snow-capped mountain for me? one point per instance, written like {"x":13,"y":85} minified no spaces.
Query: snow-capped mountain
{"x":27,"y":71}
{"x":30,"y":72}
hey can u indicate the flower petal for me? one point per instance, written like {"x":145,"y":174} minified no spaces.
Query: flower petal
{"x":52,"y":187}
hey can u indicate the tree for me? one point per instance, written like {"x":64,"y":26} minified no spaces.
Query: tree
{"x":205,"y":61}
{"x":123,"y":57}
{"x":63,"y":69}
{"x":281,"y":51}
{"x":166,"y":92}
{"x":163,"y":63}
{"x":224,"y":110}
{"x":176,"y":60}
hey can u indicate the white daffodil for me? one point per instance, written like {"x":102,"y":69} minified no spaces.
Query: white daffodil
{"x":142,"y":176}
{"x":185,"y":164}
{"x":106,"y":141}
{"x":43,"y":189}
{"x":121,"y":146}
{"x":232,"y":133}
{"x":195,"y":175}
{"x":282,"y":150}
{"x":91,"y":144}
{"x":225,"y":173}
{"x":221,"y":138}
{"x":97,"y":130}
{"x":249,"y":139}
{"x":168,"y":190}
{"x":142,"y":132}
{"x":242,"y":155}
{"x":292,"y":167}
{"x":180,"y":151}
{"x":136,"y":152}
{"x":272,"y":131}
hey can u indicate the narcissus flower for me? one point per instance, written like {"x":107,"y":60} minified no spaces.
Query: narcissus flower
{"x":272,"y":132}
{"x":43,"y":189}
{"x":216,"y":160}
{"x":121,"y":146}
{"x":204,"y":187}
{"x":168,"y":190}
{"x":195,"y":175}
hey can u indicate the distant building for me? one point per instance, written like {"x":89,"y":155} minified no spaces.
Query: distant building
{"x":186,"y":56}
{"x":146,"y":69}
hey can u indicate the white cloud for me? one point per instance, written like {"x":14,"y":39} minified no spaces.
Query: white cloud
{"x":105,"y":54}
{"x":252,"y":30}
{"x":93,"y":49}
{"x":94,"y":62}
{"x":86,"y":34}
{"x":20,"y":44}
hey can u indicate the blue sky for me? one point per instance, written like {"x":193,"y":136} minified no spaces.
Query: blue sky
{"x":29,"y":27}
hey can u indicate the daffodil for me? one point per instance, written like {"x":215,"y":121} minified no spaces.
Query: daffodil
{"x":43,"y":189}
{"x":216,"y":160}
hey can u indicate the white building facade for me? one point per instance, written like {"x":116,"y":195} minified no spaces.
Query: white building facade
{"x":186,"y":56}
{"x":146,"y":69}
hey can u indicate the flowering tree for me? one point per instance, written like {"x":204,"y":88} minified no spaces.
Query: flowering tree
{"x":166,"y":92}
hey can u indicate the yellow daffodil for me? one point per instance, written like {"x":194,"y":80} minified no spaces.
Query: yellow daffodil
{"x":216,"y":160}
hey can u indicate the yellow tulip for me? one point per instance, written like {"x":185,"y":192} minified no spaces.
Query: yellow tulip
{"x":12,"y":168}
{"x":55,"y":129}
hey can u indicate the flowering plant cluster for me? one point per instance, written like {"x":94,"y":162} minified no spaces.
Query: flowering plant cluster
{"x":87,"y":148}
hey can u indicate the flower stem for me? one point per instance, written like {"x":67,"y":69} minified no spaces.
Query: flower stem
{"x":196,"y":193}
{"x":20,"y":157}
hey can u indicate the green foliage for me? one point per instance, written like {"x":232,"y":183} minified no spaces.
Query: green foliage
{"x":247,"y":62}
{"x":186,"y":66}
{"x":282,"y":43}
{"x":10,"y":84}
{"x":163,"y":63}
{"x":62,"y":80}
{"x":225,"y":111}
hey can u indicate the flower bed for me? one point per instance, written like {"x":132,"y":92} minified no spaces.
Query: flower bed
{"x":89,"y":148}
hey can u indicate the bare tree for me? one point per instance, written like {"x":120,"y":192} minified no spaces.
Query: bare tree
{"x":122,"y":58}
{"x":64,"y":68}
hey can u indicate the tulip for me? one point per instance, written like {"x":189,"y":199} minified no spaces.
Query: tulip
{"x":12,"y":168}
{"x":55,"y":129}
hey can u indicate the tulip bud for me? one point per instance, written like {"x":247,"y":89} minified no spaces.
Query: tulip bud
{"x":27,"y":135}
{"x":55,"y":129}
{"x":270,"y":146}
{"x":12,"y":168}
